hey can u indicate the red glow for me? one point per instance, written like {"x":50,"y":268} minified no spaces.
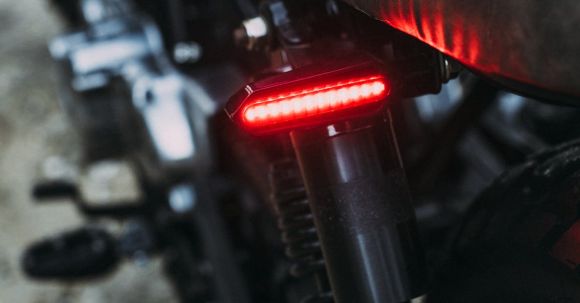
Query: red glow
{"x":315,"y":101}
{"x":567,"y":249}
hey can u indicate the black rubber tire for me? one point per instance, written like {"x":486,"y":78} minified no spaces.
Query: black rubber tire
{"x":503,"y":252}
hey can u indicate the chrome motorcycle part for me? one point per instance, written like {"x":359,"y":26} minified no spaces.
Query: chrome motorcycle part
{"x":123,"y":58}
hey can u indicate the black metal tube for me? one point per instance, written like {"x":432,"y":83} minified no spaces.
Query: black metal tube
{"x":362,"y":210}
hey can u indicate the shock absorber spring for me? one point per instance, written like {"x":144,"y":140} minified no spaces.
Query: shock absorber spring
{"x":296,"y":224}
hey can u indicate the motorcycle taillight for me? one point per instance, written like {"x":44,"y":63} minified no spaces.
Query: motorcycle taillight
{"x":319,"y":94}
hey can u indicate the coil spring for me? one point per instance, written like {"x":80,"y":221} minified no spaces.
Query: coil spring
{"x":295,"y":220}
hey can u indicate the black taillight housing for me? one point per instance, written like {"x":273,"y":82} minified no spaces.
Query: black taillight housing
{"x":318,"y":94}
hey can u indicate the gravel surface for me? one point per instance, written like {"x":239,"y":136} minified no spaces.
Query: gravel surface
{"x":32,"y":128}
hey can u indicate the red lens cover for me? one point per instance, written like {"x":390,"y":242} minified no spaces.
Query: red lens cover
{"x":315,"y":95}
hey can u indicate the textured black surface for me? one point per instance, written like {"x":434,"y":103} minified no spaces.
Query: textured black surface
{"x":502,"y":252}
{"x":522,"y":44}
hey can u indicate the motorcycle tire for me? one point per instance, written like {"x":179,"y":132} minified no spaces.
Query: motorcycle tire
{"x":520,"y":242}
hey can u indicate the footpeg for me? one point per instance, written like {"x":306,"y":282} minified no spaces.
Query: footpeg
{"x":82,"y":253}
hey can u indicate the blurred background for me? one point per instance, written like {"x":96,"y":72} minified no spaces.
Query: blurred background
{"x":33,"y":134}
{"x":456,"y":143}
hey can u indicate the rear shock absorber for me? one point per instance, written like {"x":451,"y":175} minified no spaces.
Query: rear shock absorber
{"x":361,"y":208}
{"x":344,"y":139}
{"x":296,"y":223}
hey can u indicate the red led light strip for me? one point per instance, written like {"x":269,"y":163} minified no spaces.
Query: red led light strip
{"x":316,"y":101}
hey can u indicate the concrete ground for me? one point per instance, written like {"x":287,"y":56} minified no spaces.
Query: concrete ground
{"x":32,"y":128}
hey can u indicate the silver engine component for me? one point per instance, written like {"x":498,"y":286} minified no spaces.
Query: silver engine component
{"x":122,"y":91}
